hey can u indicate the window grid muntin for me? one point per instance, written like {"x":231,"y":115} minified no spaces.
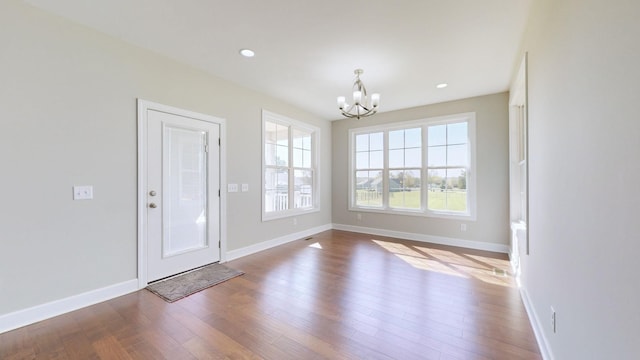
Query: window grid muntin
{"x":370,"y":190}
{"x":465,"y":167}
{"x":294,"y":205}
{"x":468,"y":119}
{"x":397,"y":188}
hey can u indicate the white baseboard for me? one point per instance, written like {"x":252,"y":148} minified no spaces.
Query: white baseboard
{"x":252,"y":249}
{"x":501,"y":248}
{"x":45,"y":311}
{"x":543,"y":344}
{"x":37,"y":313}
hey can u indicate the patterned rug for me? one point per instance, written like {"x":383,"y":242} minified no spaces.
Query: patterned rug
{"x":185,"y":284}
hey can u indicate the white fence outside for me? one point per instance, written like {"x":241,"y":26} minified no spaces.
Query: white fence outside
{"x":280,"y":201}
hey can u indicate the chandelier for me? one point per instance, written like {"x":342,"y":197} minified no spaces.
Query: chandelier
{"x":362,"y":104}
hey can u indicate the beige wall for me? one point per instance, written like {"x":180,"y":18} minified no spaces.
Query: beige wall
{"x":492,"y":146}
{"x":68,"y":117}
{"x":584,"y":176}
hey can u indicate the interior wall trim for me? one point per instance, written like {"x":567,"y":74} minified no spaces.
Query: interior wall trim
{"x":543,"y":344}
{"x":48,"y":310}
{"x":469,"y":244}
{"x":252,"y":249}
{"x":20,"y":318}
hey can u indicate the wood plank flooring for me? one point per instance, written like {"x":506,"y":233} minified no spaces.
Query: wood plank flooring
{"x":339,"y":295}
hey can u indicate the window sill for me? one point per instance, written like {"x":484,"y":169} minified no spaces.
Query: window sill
{"x":288,"y":213}
{"x":420,"y":213}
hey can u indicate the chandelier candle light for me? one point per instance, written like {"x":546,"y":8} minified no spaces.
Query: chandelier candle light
{"x":362,"y":104}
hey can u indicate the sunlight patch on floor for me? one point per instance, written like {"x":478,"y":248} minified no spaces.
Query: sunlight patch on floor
{"x":489,"y":270}
{"x":430,"y":265}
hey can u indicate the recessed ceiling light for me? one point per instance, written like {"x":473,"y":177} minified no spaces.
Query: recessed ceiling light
{"x":247,"y":53}
{"x":442,"y":86}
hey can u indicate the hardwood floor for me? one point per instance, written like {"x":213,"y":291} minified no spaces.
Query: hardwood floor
{"x":339,"y":295}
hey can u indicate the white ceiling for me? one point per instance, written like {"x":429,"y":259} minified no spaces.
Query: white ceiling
{"x":306,"y":51}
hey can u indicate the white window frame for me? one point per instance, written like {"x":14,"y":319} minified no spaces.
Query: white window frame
{"x":469,"y":215}
{"x":268,"y":116}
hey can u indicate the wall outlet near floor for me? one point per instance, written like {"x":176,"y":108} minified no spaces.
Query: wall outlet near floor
{"x":553,"y":320}
{"x":463,"y":227}
{"x":295,"y":221}
{"x":359,"y":217}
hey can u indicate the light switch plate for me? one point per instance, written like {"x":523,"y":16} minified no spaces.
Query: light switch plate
{"x":83,"y":192}
{"x":245,"y":187}
{"x":232,"y":187}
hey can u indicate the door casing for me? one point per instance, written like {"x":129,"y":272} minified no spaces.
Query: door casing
{"x":143,"y":107}
{"x":519,"y":167}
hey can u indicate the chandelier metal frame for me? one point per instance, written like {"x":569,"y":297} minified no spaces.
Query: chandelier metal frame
{"x":363,"y":106}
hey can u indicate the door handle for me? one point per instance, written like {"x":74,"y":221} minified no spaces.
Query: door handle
{"x":153,"y":205}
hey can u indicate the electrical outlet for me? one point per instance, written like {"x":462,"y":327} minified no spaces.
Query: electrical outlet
{"x":463,"y":227}
{"x":359,"y":217}
{"x":553,"y":320}
{"x":84,"y":192}
{"x":295,"y":221}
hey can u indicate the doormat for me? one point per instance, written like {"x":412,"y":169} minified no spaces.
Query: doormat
{"x":183,"y":285}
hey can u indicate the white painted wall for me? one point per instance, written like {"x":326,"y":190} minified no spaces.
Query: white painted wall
{"x":584,"y":176}
{"x":492,"y":181}
{"x":68,"y":117}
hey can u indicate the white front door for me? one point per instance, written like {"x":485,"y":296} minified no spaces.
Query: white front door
{"x":181,"y":192}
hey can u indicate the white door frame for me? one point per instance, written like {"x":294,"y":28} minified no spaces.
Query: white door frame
{"x":518,"y":157}
{"x":143,"y":107}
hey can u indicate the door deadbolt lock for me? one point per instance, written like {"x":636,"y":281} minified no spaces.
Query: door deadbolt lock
{"x":153,"y":205}
{"x":152,"y":193}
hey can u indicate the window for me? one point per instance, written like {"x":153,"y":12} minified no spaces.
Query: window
{"x":420,"y":167}
{"x":447,"y":166}
{"x":289,"y":167}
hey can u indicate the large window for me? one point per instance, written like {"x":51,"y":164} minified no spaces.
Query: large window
{"x":289,"y":167}
{"x":423,"y":167}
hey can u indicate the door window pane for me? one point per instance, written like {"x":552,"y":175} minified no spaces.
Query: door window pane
{"x":184,"y":191}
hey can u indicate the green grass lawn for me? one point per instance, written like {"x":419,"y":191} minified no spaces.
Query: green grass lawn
{"x":405,"y":199}
{"x":454,"y":201}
